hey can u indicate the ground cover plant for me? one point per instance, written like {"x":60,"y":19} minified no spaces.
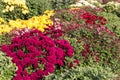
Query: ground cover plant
{"x":36,"y":54}
{"x":90,"y":38}
{"x":88,"y":72}
{"x":23,"y":9}
{"x":61,"y":4}
{"x":38,"y":22}
{"x":61,"y":44}
{"x":7,"y":68}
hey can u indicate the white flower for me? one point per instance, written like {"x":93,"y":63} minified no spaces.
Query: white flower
{"x":82,"y":3}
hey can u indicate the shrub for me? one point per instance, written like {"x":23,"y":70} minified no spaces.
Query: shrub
{"x":24,"y":9}
{"x":1,"y":7}
{"x":88,"y":72}
{"x":37,"y":22}
{"x":15,"y":14}
{"x":81,"y":18}
{"x":7,"y":68}
{"x":36,"y":55}
{"x":95,"y":41}
{"x":61,"y":4}
{"x":5,"y":38}
{"x":111,"y":6}
{"x":94,"y":10}
{"x":13,"y":9}
{"x":37,"y":7}
{"x":102,"y":48}
{"x":112,"y":22}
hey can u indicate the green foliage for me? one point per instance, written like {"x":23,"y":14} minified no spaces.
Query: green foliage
{"x":67,"y":16}
{"x":1,"y":7}
{"x":112,"y":7}
{"x":37,"y":7}
{"x":63,"y":15}
{"x":78,"y":47}
{"x":92,"y":10}
{"x":102,"y":48}
{"x":90,"y":44}
{"x":109,"y":8}
{"x":87,"y":72}
{"x":97,"y":4}
{"x":61,"y":4}
{"x":16,"y":13}
{"x":112,"y":22}
{"x":5,"y":39}
{"x":7,"y":68}
{"x":74,"y":42}
{"x":117,"y":12}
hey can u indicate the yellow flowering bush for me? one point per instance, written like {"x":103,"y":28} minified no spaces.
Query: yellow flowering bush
{"x":11,"y":4}
{"x":38,"y":22}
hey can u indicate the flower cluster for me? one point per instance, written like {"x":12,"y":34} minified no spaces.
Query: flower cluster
{"x":19,"y":32}
{"x":95,"y":22}
{"x":36,"y":54}
{"x":2,"y":21}
{"x":94,"y":39}
{"x":11,"y":4}
{"x":89,"y":18}
{"x":82,"y":3}
{"x":83,"y":18}
{"x":38,"y":22}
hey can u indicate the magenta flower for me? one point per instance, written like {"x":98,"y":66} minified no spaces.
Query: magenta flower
{"x":34,"y":48}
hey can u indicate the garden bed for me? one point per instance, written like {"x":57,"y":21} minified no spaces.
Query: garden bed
{"x":54,"y":40}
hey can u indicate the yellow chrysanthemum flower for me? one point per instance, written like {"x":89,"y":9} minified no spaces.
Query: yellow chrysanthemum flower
{"x":1,"y":20}
{"x":38,"y":22}
{"x":11,"y":4}
{"x":11,"y":8}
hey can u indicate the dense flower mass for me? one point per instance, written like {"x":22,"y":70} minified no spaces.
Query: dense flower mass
{"x":58,"y":43}
{"x":11,"y":4}
{"x":37,"y":22}
{"x":94,"y":39}
{"x":36,"y":54}
{"x":93,"y":21}
{"x":81,"y":18}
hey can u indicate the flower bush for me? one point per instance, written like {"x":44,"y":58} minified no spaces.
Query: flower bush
{"x":112,"y":22}
{"x":11,"y":4}
{"x":88,"y":72}
{"x":37,"y":7}
{"x":82,"y":18}
{"x":82,"y":3}
{"x":13,"y":9}
{"x":90,"y":38}
{"x":38,"y":22}
{"x":36,"y":54}
{"x":61,"y":4}
{"x":77,"y":43}
{"x":7,"y":67}
{"x":23,"y":9}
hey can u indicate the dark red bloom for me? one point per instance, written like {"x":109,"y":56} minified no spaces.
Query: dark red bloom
{"x":76,"y":61}
{"x":33,"y":48}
